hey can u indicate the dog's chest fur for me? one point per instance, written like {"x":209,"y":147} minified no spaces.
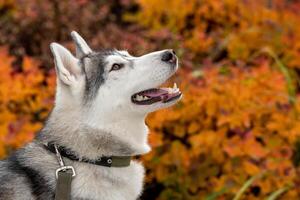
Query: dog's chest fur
{"x":94,"y":182}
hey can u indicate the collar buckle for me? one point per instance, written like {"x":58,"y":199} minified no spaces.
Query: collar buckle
{"x":65,"y":168}
{"x":62,"y":164}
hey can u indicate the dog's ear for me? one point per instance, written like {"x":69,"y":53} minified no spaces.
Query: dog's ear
{"x":67,"y":66}
{"x":82,"y":48}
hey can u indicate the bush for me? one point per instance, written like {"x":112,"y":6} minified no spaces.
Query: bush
{"x":231,"y":29}
{"x":28,"y":27}
{"x":227,"y":128}
{"x":26,"y":97}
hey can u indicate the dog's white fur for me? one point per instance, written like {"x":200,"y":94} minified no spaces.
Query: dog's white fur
{"x":118,"y":116}
{"x":110,"y":115}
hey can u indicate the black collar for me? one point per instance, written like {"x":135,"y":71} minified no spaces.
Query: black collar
{"x":106,"y":161}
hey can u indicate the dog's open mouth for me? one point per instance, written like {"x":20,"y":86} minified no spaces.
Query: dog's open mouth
{"x":155,"y":95}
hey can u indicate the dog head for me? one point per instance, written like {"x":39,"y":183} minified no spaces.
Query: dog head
{"x":110,"y":84}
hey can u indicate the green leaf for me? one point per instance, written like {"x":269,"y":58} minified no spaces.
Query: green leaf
{"x":278,"y":192}
{"x":246,"y":185}
{"x":215,"y":195}
{"x":286,"y":73}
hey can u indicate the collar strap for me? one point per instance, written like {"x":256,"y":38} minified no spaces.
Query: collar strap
{"x":106,"y":161}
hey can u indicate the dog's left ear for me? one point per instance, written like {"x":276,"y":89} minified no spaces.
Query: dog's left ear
{"x":66,"y":65}
{"x":82,"y":48}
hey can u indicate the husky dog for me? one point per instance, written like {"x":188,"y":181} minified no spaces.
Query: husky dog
{"x":102,"y":99}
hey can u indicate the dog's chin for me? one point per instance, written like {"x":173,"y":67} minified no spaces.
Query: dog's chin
{"x":144,"y":109}
{"x":160,"y":105}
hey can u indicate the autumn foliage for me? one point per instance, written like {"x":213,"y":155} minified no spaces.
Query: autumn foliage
{"x":226,"y":129}
{"x":239,"y":119}
{"x":26,"y":98}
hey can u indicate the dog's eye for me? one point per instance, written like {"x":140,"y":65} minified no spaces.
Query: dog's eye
{"x":116,"y":66}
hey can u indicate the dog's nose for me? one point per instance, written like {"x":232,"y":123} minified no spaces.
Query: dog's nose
{"x":169,"y":56}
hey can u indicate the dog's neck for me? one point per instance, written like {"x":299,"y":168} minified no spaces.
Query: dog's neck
{"x":119,"y":138}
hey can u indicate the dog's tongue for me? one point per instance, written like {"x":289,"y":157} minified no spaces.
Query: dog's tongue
{"x":155,"y":93}
{"x":163,"y":93}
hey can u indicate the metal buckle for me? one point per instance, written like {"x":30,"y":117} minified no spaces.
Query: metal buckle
{"x":62,"y":164}
{"x":65,"y":168}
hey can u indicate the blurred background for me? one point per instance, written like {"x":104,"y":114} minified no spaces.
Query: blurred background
{"x":235,"y":134}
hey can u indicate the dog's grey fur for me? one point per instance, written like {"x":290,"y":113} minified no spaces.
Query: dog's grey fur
{"x":29,"y":174}
{"x":95,"y":74}
{"x":31,"y":168}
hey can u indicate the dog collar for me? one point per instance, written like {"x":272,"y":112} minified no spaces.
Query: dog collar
{"x":106,"y":161}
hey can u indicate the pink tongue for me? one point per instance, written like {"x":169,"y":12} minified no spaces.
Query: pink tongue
{"x":156,"y":93}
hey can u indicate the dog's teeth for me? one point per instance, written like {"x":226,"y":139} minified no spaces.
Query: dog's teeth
{"x":175,"y":86}
{"x":145,"y":98}
{"x":173,"y":90}
{"x":139,"y":98}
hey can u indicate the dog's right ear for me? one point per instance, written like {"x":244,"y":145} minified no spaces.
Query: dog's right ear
{"x":82,"y":48}
{"x":67,"y":66}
